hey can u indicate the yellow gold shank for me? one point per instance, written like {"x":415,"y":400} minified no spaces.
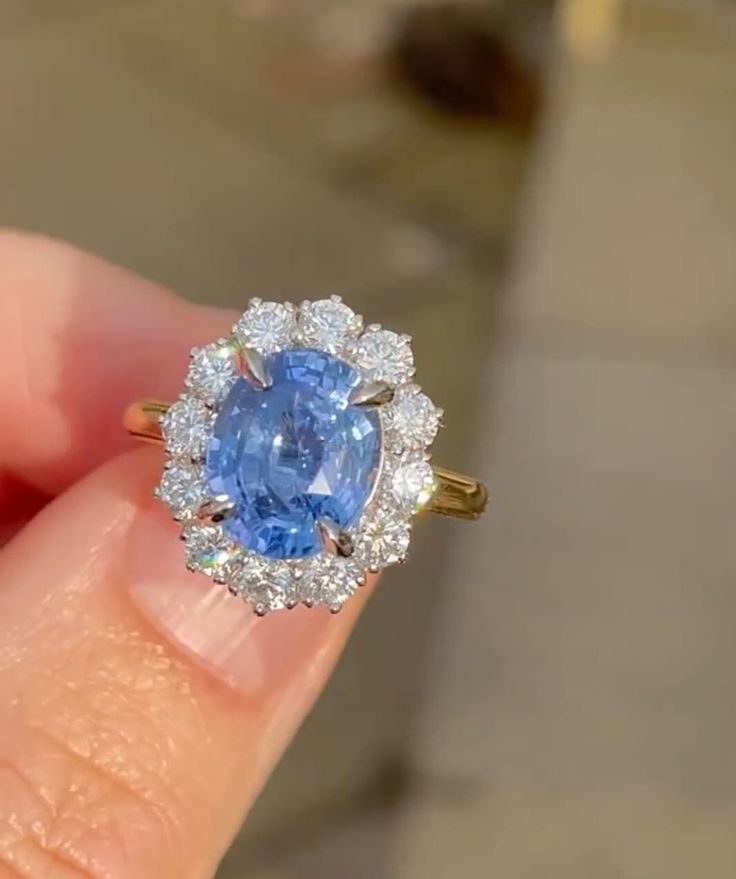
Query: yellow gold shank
{"x":455,"y":495}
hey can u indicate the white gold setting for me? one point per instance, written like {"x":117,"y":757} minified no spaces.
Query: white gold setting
{"x":329,"y":324}
{"x":412,"y":419}
{"x":212,"y":371}
{"x":266,"y":326}
{"x":405,"y":481}
{"x":187,"y":427}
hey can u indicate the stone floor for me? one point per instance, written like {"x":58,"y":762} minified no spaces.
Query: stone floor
{"x":548,"y":693}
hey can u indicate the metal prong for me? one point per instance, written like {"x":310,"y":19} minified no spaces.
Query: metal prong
{"x":215,"y":510}
{"x":334,"y":539}
{"x":253,"y":367}
{"x":371,"y":394}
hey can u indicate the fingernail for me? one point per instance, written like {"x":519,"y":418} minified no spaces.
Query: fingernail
{"x":216,"y":629}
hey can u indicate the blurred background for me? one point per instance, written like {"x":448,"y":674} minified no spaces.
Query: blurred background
{"x":544,"y":195}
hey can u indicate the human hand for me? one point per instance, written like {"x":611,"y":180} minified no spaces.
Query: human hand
{"x":141,"y":707}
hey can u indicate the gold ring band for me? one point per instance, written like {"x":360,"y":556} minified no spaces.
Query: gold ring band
{"x":456,"y":495}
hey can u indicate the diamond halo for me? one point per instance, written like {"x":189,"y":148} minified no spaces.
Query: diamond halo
{"x":403,"y":484}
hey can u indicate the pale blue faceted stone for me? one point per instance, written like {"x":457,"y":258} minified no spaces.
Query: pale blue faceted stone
{"x":294,"y":453}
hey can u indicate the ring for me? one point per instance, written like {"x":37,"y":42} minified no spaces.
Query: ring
{"x":298,"y":455}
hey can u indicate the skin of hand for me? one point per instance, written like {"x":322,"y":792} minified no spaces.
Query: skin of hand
{"x":141,"y":707}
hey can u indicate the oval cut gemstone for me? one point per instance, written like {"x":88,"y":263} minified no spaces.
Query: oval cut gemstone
{"x":294,"y":453}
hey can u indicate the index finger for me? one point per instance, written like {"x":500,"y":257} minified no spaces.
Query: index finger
{"x":79,"y":340}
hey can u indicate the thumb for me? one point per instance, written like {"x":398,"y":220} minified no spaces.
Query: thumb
{"x":143,"y":708}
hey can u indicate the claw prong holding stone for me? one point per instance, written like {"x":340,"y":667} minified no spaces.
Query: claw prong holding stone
{"x":374,"y":393}
{"x":253,"y":367}
{"x":215,"y":510}
{"x":334,"y":539}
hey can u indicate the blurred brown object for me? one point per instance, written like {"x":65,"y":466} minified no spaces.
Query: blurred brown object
{"x":474,"y":58}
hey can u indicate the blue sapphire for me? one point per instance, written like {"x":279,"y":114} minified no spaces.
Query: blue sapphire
{"x":293,"y":453}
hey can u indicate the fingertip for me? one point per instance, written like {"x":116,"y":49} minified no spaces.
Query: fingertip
{"x":150,"y":691}
{"x":79,"y":340}
{"x":253,"y":655}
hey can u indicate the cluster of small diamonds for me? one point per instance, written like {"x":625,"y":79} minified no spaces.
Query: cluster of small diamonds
{"x":405,"y":483}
